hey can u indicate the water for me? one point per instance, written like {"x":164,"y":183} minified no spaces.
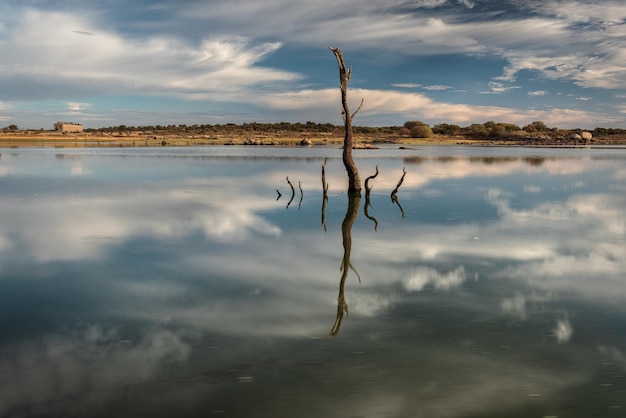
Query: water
{"x":177,"y":282}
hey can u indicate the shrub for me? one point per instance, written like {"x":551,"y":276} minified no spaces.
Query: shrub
{"x":421,"y":131}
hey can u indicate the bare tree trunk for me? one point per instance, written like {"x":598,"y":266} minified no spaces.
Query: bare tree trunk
{"x":354,"y":181}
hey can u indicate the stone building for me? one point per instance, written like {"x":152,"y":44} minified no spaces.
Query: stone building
{"x":68,"y":127}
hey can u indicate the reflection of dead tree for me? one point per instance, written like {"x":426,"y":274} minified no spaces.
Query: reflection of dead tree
{"x":301,"y":195}
{"x":279,"y":195}
{"x":354,"y":181}
{"x":293,"y":192}
{"x":394,"y":199}
{"x":324,"y":194}
{"x":346,"y":232}
{"x":368,"y":203}
{"x":394,"y":194}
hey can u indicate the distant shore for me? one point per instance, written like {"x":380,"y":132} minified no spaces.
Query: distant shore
{"x":94,"y":140}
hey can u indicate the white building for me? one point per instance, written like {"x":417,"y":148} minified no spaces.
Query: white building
{"x":68,"y":127}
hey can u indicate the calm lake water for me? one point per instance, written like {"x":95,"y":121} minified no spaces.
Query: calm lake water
{"x":177,"y":282}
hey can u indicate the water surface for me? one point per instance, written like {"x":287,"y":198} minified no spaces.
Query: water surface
{"x":178,"y":282}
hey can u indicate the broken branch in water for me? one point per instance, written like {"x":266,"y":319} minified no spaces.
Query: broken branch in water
{"x":368,"y":203}
{"x":395,"y":191}
{"x":293,"y":192}
{"x":368,"y":188}
{"x":394,"y":194}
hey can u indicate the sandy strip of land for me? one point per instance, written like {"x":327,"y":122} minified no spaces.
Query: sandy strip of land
{"x":93,"y":140}
{"x":84,"y":140}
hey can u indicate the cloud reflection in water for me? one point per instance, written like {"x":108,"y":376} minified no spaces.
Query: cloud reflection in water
{"x":461,"y":309}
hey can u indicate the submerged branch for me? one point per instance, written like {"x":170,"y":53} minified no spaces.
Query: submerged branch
{"x":293,"y":192}
{"x":394,"y":194}
{"x":395,"y":191}
{"x":368,"y":188}
{"x":368,"y":202}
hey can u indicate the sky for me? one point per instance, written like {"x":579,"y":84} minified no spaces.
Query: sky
{"x":161,"y":62}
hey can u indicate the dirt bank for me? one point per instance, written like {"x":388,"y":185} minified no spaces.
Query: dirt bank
{"x":88,"y":140}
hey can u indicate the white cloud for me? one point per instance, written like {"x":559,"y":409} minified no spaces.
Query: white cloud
{"x":223,"y":62}
{"x":406,"y":85}
{"x":424,"y":276}
{"x":498,"y":87}
{"x":515,"y":306}
{"x":199,"y":211}
{"x":563,"y":330}
{"x":116,"y":64}
{"x":75,"y":106}
{"x":327,"y":102}
{"x":436,"y":87}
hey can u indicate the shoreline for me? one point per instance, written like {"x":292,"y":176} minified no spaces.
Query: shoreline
{"x":90,"y":140}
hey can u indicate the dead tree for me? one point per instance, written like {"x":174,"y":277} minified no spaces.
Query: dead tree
{"x":354,"y":181}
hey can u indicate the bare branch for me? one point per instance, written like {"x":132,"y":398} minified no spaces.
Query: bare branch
{"x":357,"y":111}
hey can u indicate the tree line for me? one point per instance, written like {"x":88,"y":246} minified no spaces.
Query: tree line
{"x":247,"y":127}
{"x":491,"y":129}
{"x":416,"y":129}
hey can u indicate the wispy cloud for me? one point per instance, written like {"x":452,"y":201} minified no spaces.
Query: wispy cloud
{"x":406,"y":85}
{"x":77,"y":106}
{"x":437,"y":87}
{"x":499,"y":88}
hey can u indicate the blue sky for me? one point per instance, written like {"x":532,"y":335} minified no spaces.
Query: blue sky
{"x":148,"y":62}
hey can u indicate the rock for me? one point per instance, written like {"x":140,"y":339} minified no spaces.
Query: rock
{"x":306,"y":142}
{"x":586,"y":135}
